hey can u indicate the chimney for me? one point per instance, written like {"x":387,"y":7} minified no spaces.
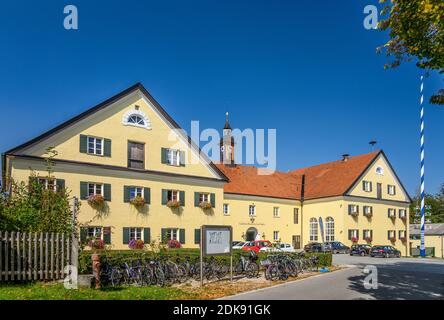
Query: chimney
{"x":345,"y":157}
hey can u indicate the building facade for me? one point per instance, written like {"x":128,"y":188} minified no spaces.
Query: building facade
{"x":138,"y":176}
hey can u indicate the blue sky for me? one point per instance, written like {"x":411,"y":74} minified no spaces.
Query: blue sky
{"x":307,"y":68}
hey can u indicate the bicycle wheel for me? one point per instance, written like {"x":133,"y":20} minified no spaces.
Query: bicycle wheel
{"x":159,"y":277}
{"x":252,"y":270}
{"x":115,"y":277}
{"x":238,"y":269}
{"x":273,"y":272}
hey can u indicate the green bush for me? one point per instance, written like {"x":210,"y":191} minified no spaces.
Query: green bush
{"x":325,"y":259}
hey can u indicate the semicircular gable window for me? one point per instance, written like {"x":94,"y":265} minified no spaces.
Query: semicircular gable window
{"x":380,"y":170}
{"x":136,"y":118}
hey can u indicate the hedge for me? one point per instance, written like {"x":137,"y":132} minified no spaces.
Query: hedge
{"x":121,"y":256}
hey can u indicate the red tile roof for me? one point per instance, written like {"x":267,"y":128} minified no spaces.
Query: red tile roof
{"x":324,"y":180}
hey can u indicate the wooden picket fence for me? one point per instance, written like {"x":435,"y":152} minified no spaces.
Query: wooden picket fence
{"x":34,"y":256}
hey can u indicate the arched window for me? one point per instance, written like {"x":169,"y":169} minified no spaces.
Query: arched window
{"x":136,"y":119}
{"x":329,"y":229}
{"x":313,"y":229}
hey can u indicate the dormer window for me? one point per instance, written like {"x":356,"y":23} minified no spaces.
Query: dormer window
{"x":136,"y":118}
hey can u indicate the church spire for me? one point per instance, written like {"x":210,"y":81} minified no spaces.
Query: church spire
{"x":227,"y":124}
{"x":227,"y":144}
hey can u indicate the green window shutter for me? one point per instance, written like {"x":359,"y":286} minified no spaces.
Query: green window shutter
{"x":146,"y":235}
{"x":60,"y":185}
{"x":196,"y":236}
{"x":213,"y":200}
{"x":182,"y":198}
{"x":182,"y":158}
{"x":126,"y":194}
{"x":83,"y":144}
{"x":83,"y":190}
{"x":83,"y":234}
{"x":125,"y":235}
{"x":349,"y":234}
{"x":196,"y":199}
{"x":164,"y":155}
{"x":371,"y":186}
{"x":107,"y":191}
{"x":182,"y":236}
{"x":107,"y":235}
{"x":163,"y":235}
{"x":147,"y":195}
{"x":164,"y":196}
{"x":107,"y":147}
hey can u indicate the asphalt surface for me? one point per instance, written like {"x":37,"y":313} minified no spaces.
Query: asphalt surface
{"x":397,"y":279}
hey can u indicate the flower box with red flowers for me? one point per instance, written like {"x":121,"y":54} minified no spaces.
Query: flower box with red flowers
{"x":98,"y":244}
{"x":138,"y":201}
{"x":392,"y":239}
{"x":136,"y":244}
{"x":354,"y":239}
{"x":368,"y":239}
{"x":174,"y":204}
{"x":174,"y":244}
{"x":96,"y":200}
{"x":205,"y":205}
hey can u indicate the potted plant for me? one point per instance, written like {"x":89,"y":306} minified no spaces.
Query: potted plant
{"x":174,"y":244}
{"x":403,"y":239}
{"x":136,"y":244}
{"x":205,"y":205}
{"x":138,"y":201}
{"x":393,"y":239}
{"x":368,"y":239}
{"x":354,"y":239}
{"x":96,"y":244}
{"x":96,"y":200}
{"x":173,"y":204}
{"x":368,"y":214}
{"x":354,"y":214}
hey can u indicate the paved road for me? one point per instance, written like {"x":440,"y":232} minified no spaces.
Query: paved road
{"x":405,"y":278}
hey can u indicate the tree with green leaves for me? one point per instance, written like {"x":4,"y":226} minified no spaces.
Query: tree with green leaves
{"x":36,"y":207}
{"x":416,"y":30}
{"x":436,"y":203}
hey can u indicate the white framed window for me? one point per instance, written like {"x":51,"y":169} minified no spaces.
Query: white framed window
{"x":391,"y":234}
{"x":172,"y":234}
{"x":402,"y":213}
{"x":95,"y":232}
{"x":353,"y":209}
{"x":173,"y":195}
{"x":135,"y":233}
{"x":226,"y":209}
{"x":367,"y":186}
{"x":401,"y":234}
{"x":367,"y":234}
{"x":204,"y":197}
{"x":252,"y":210}
{"x":174,"y":157}
{"x":95,"y":189}
{"x":391,"y":189}
{"x":353,"y":234}
{"x":313,"y":229}
{"x":329,"y":229}
{"x":380,"y":170}
{"x":392,"y":213}
{"x":276,"y":236}
{"x":95,"y":146}
{"x":276,"y":212}
{"x":368,"y":210}
{"x":135,"y":192}
{"x":48,"y":184}
{"x":136,"y":119}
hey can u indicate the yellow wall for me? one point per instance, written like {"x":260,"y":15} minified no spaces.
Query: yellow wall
{"x":431,"y":241}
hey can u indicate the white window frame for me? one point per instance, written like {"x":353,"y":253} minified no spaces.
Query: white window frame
{"x":402,"y":213}
{"x":204,"y":197}
{"x":172,"y":234}
{"x":137,"y":191}
{"x":94,"y":141}
{"x":367,"y":186}
{"x":173,"y":157}
{"x":354,"y":233}
{"x":135,"y":119}
{"x":276,"y":236}
{"x":329,"y":229}
{"x":174,"y":195}
{"x":252,"y":210}
{"x":226,"y":209}
{"x":45,"y":183}
{"x":367,"y":209}
{"x":392,"y":234}
{"x":276,"y":212}
{"x":137,"y":232}
{"x":354,"y":209}
{"x":96,"y":185}
{"x":313,"y":226}
{"x":392,"y":212}
{"x":366,"y":233}
{"x":95,"y":231}
{"x":391,"y":190}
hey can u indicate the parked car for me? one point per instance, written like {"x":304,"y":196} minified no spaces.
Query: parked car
{"x":278,"y":247}
{"x":337,"y":247}
{"x":385,"y":252}
{"x":317,"y":247}
{"x":238,"y":244}
{"x":256,"y":245}
{"x":360,"y":249}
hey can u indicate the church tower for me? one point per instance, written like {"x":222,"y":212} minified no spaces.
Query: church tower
{"x":227,"y":145}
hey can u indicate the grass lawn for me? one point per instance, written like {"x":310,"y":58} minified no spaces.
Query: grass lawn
{"x":56,"y":291}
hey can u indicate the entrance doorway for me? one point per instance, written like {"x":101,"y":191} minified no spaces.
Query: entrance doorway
{"x":251,"y":234}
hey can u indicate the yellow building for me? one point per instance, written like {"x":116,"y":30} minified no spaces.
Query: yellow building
{"x":433,"y":239}
{"x":128,"y":149}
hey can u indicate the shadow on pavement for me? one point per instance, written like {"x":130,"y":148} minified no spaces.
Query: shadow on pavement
{"x":403,"y":280}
